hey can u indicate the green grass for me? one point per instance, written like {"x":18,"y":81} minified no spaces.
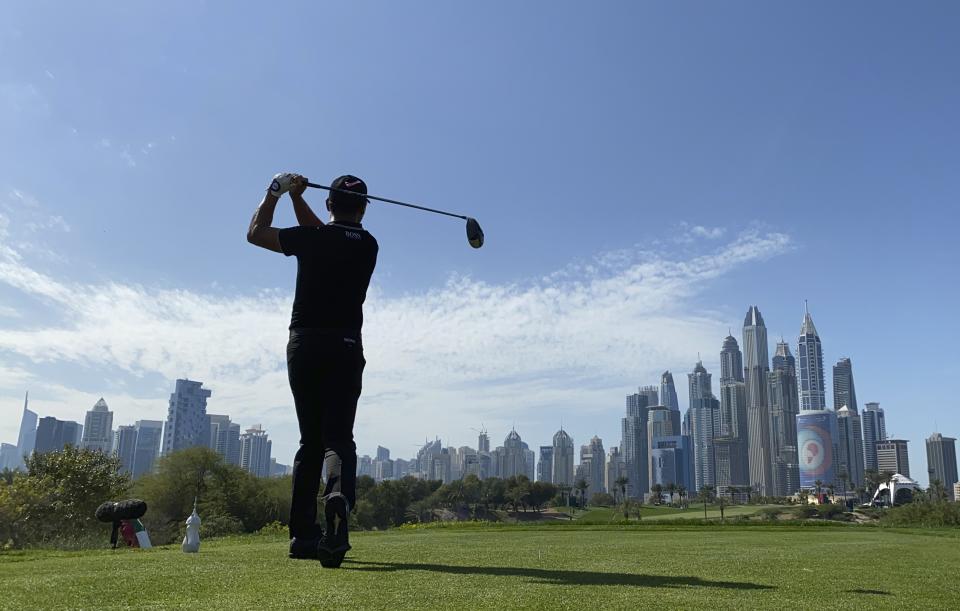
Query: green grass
{"x":604,"y":515}
{"x":506,"y":567}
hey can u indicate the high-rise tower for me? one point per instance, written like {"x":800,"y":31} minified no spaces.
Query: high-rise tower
{"x":703,"y":417}
{"x":844,"y":392}
{"x":756,"y":367}
{"x":28,"y":431}
{"x":784,"y":406}
{"x":731,"y":361}
{"x":634,"y":443}
{"x":98,"y":428}
{"x":942,"y":461}
{"x":812,"y":394}
{"x":562,"y":467}
{"x":668,"y":392}
{"x":874,"y":430}
{"x":187,"y":425}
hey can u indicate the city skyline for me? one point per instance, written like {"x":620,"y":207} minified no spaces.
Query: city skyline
{"x":849,"y":430}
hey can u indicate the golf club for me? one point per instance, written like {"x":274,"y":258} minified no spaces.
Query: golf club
{"x":474,"y":233}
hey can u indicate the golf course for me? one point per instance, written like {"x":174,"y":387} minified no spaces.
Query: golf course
{"x":465,"y":566}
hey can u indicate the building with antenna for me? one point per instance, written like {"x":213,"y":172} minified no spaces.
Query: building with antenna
{"x":562,"y":472}
{"x":810,"y":352}
{"x":98,"y":428}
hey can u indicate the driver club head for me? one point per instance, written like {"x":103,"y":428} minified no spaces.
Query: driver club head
{"x":474,"y":233}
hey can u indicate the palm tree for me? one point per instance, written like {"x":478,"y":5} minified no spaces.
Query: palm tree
{"x":818,"y":487}
{"x":706,"y":495}
{"x":831,"y":489}
{"x":672,"y":489}
{"x":621,"y":483}
{"x":581,"y":487}
{"x":682,"y":491}
{"x":657,"y":489}
{"x":843,"y":477}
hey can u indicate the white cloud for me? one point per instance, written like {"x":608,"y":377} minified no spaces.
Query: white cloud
{"x":438,"y":361}
{"x":712,"y":233}
{"x":698,"y":233}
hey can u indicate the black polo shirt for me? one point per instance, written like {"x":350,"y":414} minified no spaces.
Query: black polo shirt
{"x":334,"y":265}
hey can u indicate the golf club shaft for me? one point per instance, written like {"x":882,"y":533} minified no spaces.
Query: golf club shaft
{"x":389,"y":201}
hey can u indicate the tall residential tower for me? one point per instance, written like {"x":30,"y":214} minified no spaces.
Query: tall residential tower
{"x":755,"y":368}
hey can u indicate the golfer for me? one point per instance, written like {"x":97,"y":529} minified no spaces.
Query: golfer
{"x":325,"y":351}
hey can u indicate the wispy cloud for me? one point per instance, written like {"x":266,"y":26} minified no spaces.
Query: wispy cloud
{"x":465,"y":352}
{"x":693,"y":233}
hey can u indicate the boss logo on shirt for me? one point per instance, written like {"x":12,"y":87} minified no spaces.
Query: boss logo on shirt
{"x":353,"y":235}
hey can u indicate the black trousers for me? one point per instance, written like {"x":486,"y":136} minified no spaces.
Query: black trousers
{"x":325,"y":371}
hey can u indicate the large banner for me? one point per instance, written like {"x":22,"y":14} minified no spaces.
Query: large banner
{"x":816,"y":439}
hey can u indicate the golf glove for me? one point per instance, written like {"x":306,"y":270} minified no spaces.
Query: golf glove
{"x":281,"y":183}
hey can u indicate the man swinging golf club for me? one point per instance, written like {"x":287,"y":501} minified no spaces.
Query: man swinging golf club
{"x":325,"y":351}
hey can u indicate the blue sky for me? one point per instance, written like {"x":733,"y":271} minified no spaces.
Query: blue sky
{"x":643,"y":171}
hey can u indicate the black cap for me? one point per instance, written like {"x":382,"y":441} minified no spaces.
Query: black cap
{"x":348,"y":183}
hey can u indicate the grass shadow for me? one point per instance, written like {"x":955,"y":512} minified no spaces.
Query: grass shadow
{"x":558,"y":577}
{"x":862,"y":591}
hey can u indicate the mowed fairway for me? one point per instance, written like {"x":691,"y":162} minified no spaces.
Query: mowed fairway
{"x":513,"y":567}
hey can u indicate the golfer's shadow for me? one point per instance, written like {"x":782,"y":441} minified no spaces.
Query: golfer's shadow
{"x":557,"y":577}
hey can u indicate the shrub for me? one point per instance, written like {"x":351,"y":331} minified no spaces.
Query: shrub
{"x":927,"y":515}
{"x":805,"y":512}
{"x":54,"y":501}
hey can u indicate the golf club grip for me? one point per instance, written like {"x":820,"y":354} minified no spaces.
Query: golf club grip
{"x":389,"y":201}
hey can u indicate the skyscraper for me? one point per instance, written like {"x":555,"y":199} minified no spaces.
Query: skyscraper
{"x":756,"y":368}
{"x":730,"y":448}
{"x":514,"y":458}
{"x":8,"y":456}
{"x":53,"y":435}
{"x":817,"y":443}
{"x":615,"y":468}
{"x":255,"y":449}
{"x":651,"y":393}
{"x":874,"y":430}
{"x":225,"y":438}
{"x":27,"y":439}
{"x":668,"y":392}
{"x":562,"y":459}
{"x":187,"y":424}
{"x":942,"y":461}
{"x":850,"y":458}
{"x":545,"y":465}
{"x":483,"y":443}
{"x":703,"y":417}
{"x":593,"y":460}
{"x":633,"y":442}
{"x":149,"y":436}
{"x":661,"y":422}
{"x":731,"y":361}
{"x":671,"y":462}
{"x":844,"y":392}
{"x":892,"y":456}
{"x":784,"y":407}
{"x":125,"y":446}
{"x":812,"y":394}
{"x":98,"y":428}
